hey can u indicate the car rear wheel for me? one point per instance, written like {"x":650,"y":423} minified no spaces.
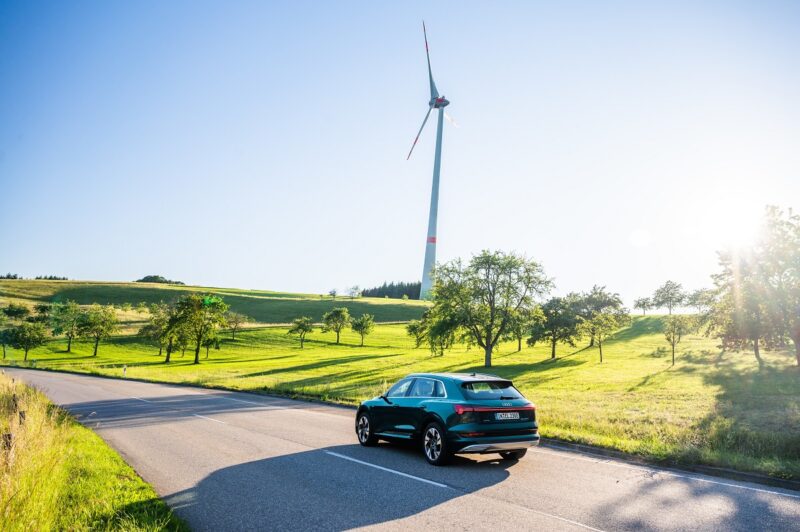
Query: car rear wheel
{"x":434,"y":445}
{"x":364,"y":432}
{"x":513,"y":455}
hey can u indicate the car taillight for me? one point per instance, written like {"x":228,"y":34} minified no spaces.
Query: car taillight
{"x":460,"y":409}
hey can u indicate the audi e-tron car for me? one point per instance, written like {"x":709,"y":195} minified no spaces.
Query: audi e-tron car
{"x":451,"y":413}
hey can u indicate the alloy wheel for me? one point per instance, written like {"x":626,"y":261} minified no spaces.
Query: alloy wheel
{"x":433,"y":444}
{"x":363,"y":429}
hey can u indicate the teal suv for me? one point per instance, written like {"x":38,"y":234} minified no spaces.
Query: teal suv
{"x":451,"y":413}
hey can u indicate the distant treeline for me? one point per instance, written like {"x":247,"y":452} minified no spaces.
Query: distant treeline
{"x":157,"y":279}
{"x":394,"y":290}
{"x":50,"y":278}
{"x":10,"y":276}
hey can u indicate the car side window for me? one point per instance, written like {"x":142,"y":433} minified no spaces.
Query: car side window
{"x":438,"y":390}
{"x":427,"y":388}
{"x":399,"y":389}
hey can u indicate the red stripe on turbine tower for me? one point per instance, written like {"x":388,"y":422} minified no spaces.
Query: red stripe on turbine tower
{"x":431,"y":240}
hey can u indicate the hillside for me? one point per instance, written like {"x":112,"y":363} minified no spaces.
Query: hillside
{"x":260,"y":305}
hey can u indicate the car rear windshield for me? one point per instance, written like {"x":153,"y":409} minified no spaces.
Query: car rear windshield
{"x":490,"y":390}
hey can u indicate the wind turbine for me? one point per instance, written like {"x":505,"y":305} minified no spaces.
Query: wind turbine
{"x":436,"y":102}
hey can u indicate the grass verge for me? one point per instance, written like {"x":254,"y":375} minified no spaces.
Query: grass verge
{"x":58,"y":475}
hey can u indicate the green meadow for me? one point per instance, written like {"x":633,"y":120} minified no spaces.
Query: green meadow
{"x":712,"y":407}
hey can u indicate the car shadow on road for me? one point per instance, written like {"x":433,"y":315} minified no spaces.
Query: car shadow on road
{"x":333,"y":488}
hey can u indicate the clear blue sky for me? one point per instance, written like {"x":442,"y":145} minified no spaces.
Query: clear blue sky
{"x":262,"y":145}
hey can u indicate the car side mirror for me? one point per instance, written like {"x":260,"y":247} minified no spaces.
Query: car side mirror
{"x":386,"y":399}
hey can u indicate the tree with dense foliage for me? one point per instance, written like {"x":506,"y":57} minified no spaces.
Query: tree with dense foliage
{"x":354,"y":291}
{"x":163,"y":328}
{"x":157,"y":279}
{"x":643,"y":303}
{"x":333,"y":292}
{"x":701,"y":299}
{"x":336,"y":320}
{"x":561,"y":322}
{"x":596,"y":301}
{"x":675,"y":328}
{"x":65,"y":319}
{"x":522,"y":322}
{"x":669,"y":295}
{"x":482,"y":297}
{"x":363,"y":326}
{"x":211,"y":341}
{"x":10,"y":276}
{"x":98,"y":323}
{"x":235,"y":322}
{"x":301,"y":327}
{"x":41,"y":312}
{"x":603,"y":324}
{"x":27,"y":336}
{"x":416,"y":329}
{"x":200,"y":316}
{"x":394,"y":290}
{"x":17,"y":311}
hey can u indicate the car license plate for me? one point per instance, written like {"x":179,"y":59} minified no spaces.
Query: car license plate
{"x":500,"y":416}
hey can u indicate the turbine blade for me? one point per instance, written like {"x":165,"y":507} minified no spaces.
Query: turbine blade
{"x":420,"y":131}
{"x":450,"y":119}
{"x":434,"y":92}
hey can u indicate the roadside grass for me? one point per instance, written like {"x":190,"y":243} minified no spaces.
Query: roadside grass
{"x":711,"y":408}
{"x":260,"y":305}
{"x":59,"y":475}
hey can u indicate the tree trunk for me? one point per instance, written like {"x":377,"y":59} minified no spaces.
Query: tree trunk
{"x":169,"y":352}
{"x":757,"y":353}
{"x":337,"y":337}
{"x":591,"y":340}
{"x":487,"y":356}
{"x":26,"y":354}
{"x":233,"y":334}
{"x":302,"y":340}
{"x":69,"y":344}
{"x":362,"y":340}
{"x":160,"y":350}
{"x":197,"y":353}
{"x":519,"y":344}
{"x":96,"y":343}
{"x":553,"y":348}
{"x":600,"y":345}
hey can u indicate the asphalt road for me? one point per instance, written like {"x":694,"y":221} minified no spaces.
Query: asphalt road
{"x":237,"y":461}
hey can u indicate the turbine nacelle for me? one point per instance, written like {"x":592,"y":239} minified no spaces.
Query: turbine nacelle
{"x":438,"y":103}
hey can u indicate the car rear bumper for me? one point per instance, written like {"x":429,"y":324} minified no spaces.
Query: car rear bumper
{"x":498,"y":447}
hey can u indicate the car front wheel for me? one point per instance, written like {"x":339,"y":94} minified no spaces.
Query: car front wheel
{"x":513,"y":455}
{"x":366,"y":436}
{"x":434,"y":445}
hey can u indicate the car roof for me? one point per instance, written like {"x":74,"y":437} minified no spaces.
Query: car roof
{"x":462,"y":377}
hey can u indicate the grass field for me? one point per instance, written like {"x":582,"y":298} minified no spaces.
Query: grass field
{"x":262,"y":306}
{"x":58,"y":475}
{"x":712,"y":408}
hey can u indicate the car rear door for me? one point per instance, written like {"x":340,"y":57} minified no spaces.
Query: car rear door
{"x":386,"y":414}
{"x":413,"y":409}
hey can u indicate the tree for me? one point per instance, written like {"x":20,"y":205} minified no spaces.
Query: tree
{"x":669,"y":295}
{"x":235,"y":322}
{"x":199,"y":317}
{"x":675,"y":327}
{"x":363,"y":325}
{"x":17,"y":311}
{"x":561,"y":322}
{"x":354,"y":291}
{"x":42,"y":312}
{"x":98,"y":323}
{"x":163,"y":328}
{"x":603,"y":324}
{"x":336,"y":320}
{"x":65,"y":319}
{"x":643,"y":303}
{"x":701,"y":299}
{"x":441,"y":330}
{"x":4,"y":333}
{"x":211,"y":341}
{"x":27,"y":336}
{"x":301,"y":327}
{"x":522,"y":322}
{"x":416,"y":329}
{"x":598,"y":300}
{"x":332,"y":292}
{"x":483,"y":296}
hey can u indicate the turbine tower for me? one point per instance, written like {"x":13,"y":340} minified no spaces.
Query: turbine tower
{"x":436,"y":102}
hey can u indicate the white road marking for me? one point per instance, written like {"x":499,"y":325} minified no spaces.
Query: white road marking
{"x":140,"y":399}
{"x":209,"y":418}
{"x":570,"y":456}
{"x":241,"y":400}
{"x":425,"y":480}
